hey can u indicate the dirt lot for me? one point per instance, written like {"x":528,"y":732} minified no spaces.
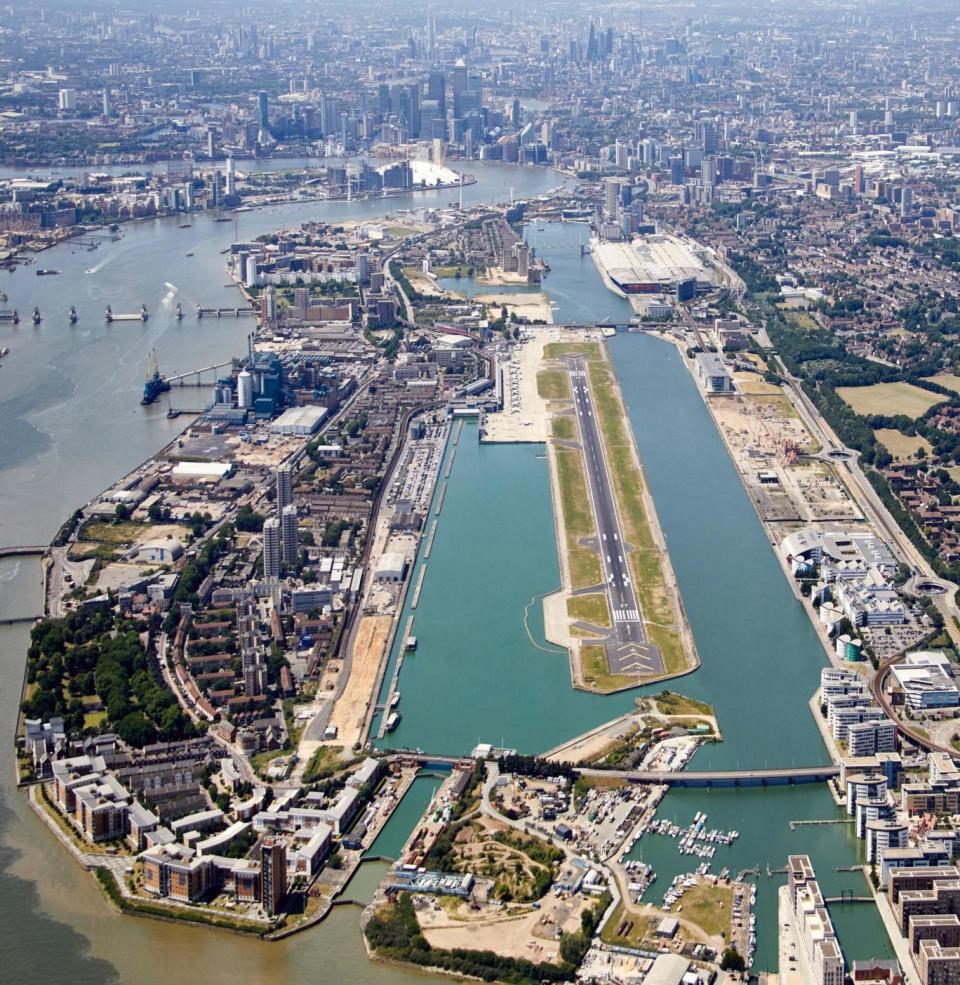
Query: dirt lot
{"x":520,"y":932}
{"x":350,"y":709}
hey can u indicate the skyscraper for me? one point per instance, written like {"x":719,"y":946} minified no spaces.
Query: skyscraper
{"x":284,"y":486}
{"x":592,"y":51}
{"x":271,"y":548}
{"x":289,"y":531}
{"x":263,"y":111}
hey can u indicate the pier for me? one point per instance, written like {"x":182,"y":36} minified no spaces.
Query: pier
{"x":825,"y":820}
{"x":22,"y":551}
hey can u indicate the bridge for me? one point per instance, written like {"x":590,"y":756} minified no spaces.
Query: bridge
{"x":22,"y":551}
{"x":779,"y":776}
{"x":784,"y":776}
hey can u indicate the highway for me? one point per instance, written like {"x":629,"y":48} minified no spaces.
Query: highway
{"x":623,"y":649}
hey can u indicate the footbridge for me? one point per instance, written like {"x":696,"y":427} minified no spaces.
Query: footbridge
{"x":785,"y":776}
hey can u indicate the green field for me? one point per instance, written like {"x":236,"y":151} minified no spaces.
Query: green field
{"x":596,"y":671}
{"x":799,"y":319}
{"x":553,"y":350}
{"x":553,"y":384}
{"x":947,"y":380}
{"x":577,"y":518}
{"x":901,"y":445}
{"x":589,"y":608}
{"x":669,"y":703}
{"x":709,"y":908}
{"x":562,"y":428}
{"x":889,"y":399}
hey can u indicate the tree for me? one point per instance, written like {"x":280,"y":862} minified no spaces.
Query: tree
{"x":136,"y":729}
{"x":121,"y":513}
{"x":248,"y":520}
{"x":732,"y":960}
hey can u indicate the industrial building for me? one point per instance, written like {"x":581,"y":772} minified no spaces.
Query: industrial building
{"x":300,"y":421}
{"x":651,"y":264}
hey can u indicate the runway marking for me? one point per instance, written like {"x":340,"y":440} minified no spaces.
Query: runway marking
{"x":626,"y":615}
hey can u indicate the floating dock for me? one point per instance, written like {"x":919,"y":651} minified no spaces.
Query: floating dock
{"x":419,"y":585}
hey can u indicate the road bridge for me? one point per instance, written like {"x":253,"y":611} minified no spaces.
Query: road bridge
{"x":783,"y":776}
{"x":776,"y":776}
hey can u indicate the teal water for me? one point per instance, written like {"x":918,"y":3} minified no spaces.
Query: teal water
{"x":476,"y":676}
{"x":760,"y":657}
{"x":573,"y":283}
{"x":762,"y":817}
{"x":395,"y":832}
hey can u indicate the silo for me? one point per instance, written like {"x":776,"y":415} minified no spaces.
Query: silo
{"x":244,"y":390}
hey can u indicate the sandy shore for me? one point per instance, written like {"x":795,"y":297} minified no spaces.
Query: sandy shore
{"x":534,"y":306}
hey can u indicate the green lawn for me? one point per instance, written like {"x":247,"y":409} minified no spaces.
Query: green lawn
{"x":709,"y":908}
{"x":563,"y":428}
{"x":553,"y":350}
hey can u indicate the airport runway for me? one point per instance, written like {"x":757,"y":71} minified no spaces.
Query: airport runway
{"x":628,"y":651}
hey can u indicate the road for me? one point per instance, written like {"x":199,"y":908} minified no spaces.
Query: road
{"x":627,"y":651}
